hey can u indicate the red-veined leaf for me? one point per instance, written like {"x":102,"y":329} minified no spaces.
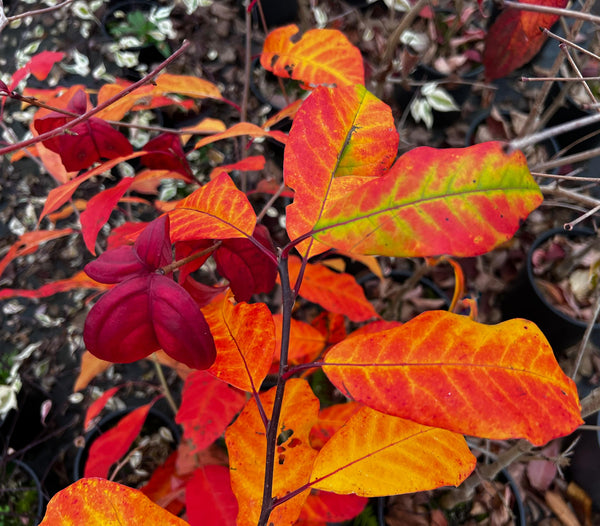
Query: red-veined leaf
{"x":60,"y":195}
{"x":375,"y":454}
{"x":335,"y":292}
{"x":462,"y":202}
{"x":326,"y":507}
{"x":98,"y":502}
{"x":246,"y":444}
{"x":29,"y":242}
{"x":114,"y":443}
{"x":209,"y":498}
{"x":208,"y":406}
{"x":320,"y":56}
{"x":339,"y":140}
{"x":330,"y":420}
{"x":244,"y":336}
{"x":516,"y":37}
{"x":78,"y":281}
{"x":446,"y":370}
{"x":242,"y":128}
{"x":98,"y":210}
{"x":218,"y":210}
{"x":248,"y":268}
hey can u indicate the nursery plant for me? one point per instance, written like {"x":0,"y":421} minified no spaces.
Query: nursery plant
{"x":413,"y":390}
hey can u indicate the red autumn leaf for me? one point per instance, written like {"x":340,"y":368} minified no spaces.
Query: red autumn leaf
{"x":97,"y":406}
{"x":116,"y":265}
{"x":246,"y":444}
{"x":458,"y":201}
{"x":184,"y":249}
{"x":87,"y":142}
{"x":114,"y":443}
{"x":209,"y":498}
{"x":445,"y":370}
{"x":244,"y":338}
{"x":60,"y":195}
{"x":515,"y":38}
{"x":202,"y":294}
{"x":335,"y":292}
{"x":39,"y":66}
{"x":357,"y":141}
{"x":218,"y":210}
{"x":96,"y":501}
{"x":166,"y":153}
{"x":208,"y":406}
{"x":247,"y":268}
{"x":98,"y":210}
{"x":165,"y":487}
{"x":326,"y":507}
{"x":78,"y":281}
{"x":124,"y":234}
{"x":249,"y":164}
{"x":331,"y":325}
{"x":29,"y":242}
{"x":320,"y":56}
{"x":405,"y":456}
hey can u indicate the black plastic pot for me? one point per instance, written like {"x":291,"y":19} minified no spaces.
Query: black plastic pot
{"x":526,"y":300}
{"x":154,"y":421}
{"x":21,"y":496}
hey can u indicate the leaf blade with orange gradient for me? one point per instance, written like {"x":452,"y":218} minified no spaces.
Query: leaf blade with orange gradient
{"x":335,"y":292}
{"x":375,"y":454}
{"x":242,"y":128}
{"x":461,"y":202}
{"x":95,"y":502}
{"x":218,"y":210}
{"x":320,"y":56}
{"x":446,"y":370}
{"x":244,"y":337}
{"x":306,"y":342}
{"x":29,"y":242}
{"x":339,"y":140}
{"x":246,"y":444}
{"x":79,"y":281}
{"x":187,"y":85}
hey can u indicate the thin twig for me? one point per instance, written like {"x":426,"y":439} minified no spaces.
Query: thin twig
{"x":569,"y":43}
{"x":163,"y":382}
{"x":573,"y":65}
{"x":270,"y":202}
{"x":586,"y":338}
{"x":552,"y":11}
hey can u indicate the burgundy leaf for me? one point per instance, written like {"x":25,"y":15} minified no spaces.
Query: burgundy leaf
{"x":119,"y":327}
{"x":248,"y":269}
{"x":202,"y":294}
{"x":167,"y":154}
{"x":179,"y":324}
{"x":78,"y":103}
{"x":153,"y":246}
{"x":114,"y":266}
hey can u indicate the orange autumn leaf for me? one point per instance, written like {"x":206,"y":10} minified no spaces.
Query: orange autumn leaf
{"x":341,"y":139}
{"x":67,"y":210}
{"x":252,"y":163}
{"x":148,"y":181}
{"x":320,"y":56}
{"x":446,"y":370}
{"x":187,"y":85}
{"x":375,"y":454}
{"x":99,"y":502}
{"x":335,"y":292}
{"x":289,"y":112}
{"x":330,"y":420}
{"x":29,"y":242}
{"x":246,"y":444}
{"x":306,"y":342}
{"x":239,"y":129}
{"x":244,"y":339}
{"x":218,"y":210}
{"x":90,"y":368}
{"x":78,"y":281}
